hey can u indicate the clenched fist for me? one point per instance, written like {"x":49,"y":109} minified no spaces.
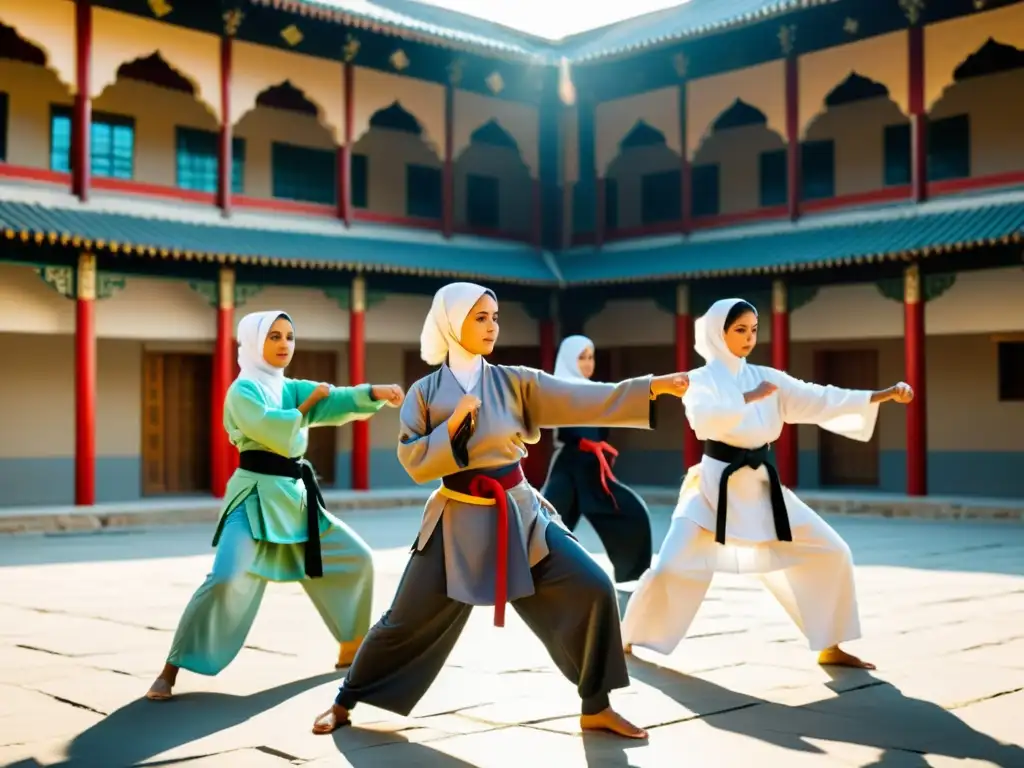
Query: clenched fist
{"x":392,"y":394}
{"x":674,"y":384}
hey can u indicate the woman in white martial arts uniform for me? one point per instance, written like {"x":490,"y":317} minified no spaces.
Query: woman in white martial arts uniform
{"x":734,"y":516}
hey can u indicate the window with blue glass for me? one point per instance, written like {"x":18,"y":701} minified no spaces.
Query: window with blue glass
{"x":483,"y":195}
{"x":704,"y":187}
{"x":111,"y":143}
{"x":949,"y":150}
{"x":774,"y":178}
{"x":3,"y":127}
{"x":304,"y":173}
{"x":661,"y":196}
{"x":423,"y":196}
{"x":818,"y":169}
{"x":611,"y":205}
{"x":196,"y":157}
{"x":360,"y":181}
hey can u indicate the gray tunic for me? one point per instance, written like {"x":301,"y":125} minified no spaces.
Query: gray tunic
{"x":516,"y":403}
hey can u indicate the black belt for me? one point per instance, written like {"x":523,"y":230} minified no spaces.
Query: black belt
{"x":267,"y":463}
{"x":755,"y":458}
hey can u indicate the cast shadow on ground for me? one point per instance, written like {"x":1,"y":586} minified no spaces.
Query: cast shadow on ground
{"x":869,"y":712}
{"x":143,"y":728}
{"x":362,"y":749}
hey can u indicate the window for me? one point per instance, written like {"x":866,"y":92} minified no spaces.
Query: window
{"x":423,"y":195}
{"x":111,"y":143}
{"x":304,"y":173}
{"x":774,"y":178}
{"x":611,"y":205}
{"x":482,"y":201}
{"x":949,"y":150}
{"x":197,"y":153}
{"x":1011,"y":371}
{"x":818,"y":169}
{"x":661,"y":196}
{"x":704,"y":183}
{"x":897,"y":154}
{"x":360,"y":180}
{"x":3,"y":127}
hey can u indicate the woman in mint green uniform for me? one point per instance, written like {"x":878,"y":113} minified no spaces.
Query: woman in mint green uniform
{"x":271,"y":503}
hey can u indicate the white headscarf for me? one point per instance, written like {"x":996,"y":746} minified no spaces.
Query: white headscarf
{"x":567,"y":364}
{"x":709,"y":336}
{"x":442,"y":332}
{"x":252,"y":335}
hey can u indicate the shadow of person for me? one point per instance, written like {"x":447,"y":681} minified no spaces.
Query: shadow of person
{"x":367,"y":748}
{"x":867,"y":711}
{"x":146,"y":728}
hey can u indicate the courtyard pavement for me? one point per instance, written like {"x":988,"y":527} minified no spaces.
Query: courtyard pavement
{"x":85,"y":621}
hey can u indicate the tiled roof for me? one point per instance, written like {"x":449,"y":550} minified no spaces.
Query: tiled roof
{"x":846,"y":238}
{"x":122,"y":232}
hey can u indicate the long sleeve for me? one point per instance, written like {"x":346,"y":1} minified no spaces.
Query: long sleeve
{"x":712,"y":411}
{"x":278,"y":429}
{"x":846,"y":412}
{"x":425,"y":456}
{"x":552,"y":402}
{"x":343,"y":405}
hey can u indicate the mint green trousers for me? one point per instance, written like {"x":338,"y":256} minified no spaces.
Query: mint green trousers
{"x":217,"y":620}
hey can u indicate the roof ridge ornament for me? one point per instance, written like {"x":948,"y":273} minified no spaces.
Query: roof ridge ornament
{"x":913,"y":10}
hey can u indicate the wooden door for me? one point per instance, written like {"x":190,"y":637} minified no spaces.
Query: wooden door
{"x":841,"y":461}
{"x":176,"y":407}
{"x":320,"y":366}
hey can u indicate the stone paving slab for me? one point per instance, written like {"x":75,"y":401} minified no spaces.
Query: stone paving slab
{"x":86,"y":619}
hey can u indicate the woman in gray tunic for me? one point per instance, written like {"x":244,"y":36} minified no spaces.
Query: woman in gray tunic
{"x":467,"y":424}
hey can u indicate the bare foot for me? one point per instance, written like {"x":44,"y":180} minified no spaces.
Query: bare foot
{"x":837,"y":657}
{"x":610,"y":720}
{"x":628,"y":649}
{"x":347,"y":653}
{"x":331,"y":720}
{"x":159,"y":691}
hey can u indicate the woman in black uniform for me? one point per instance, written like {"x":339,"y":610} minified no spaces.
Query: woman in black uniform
{"x":581,"y":482}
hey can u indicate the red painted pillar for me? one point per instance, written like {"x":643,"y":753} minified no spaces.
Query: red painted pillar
{"x":448,"y":223}
{"x":85,"y":380}
{"x":692,"y":448}
{"x":913,"y":349}
{"x":223,"y":366}
{"x":82,"y":118}
{"x":225,"y":157}
{"x":357,"y":375}
{"x":918,"y":116}
{"x":786,"y":446}
{"x":345,"y":151}
{"x":793,"y":173}
{"x":685,"y":179}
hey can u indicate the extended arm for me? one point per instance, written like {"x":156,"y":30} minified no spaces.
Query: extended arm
{"x":851,"y":413}
{"x":552,"y":402}
{"x":342,"y":405}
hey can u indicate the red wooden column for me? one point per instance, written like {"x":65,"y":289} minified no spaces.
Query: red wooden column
{"x":786,"y":447}
{"x":225,"y":158}
{"x":684,"y":362}
{"x":345,"y":150}
{"x":918,"y":116}
{"x":448,"y":222}
{"x":914,"y":362}
{"x":685,"y":178}
{"x":357,"y":375}
{"x":85,"y":380}
{"x":82,"y":118}
{"x":223,"y":374}
{"x":793,"y":172}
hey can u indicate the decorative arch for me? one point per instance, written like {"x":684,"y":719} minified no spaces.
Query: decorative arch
{"x":740,"y":114}
{"x":120,"y":38}
{"x":708,"y":98}
{"x":50,"y":27}
{"x":642,"y":135}
{"x":520,"y":121}
{"x":950,"y":43}
{"x":880,"y":60}
{"x":613,"y":120}
{"x":255,"y":69}
{"x":492,"y":134}
{"x":855,"y":88}
{"x":287,"y":97}
{"x":992,"y":58}
{"x":376,"y":92}
{"x":396,"y":118}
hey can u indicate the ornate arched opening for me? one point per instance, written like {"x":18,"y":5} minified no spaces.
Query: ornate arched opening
{"x":395,"y":171}
{"x":493,"y":186}
{"x":643,"y":183}
{"x":739,"y":142}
